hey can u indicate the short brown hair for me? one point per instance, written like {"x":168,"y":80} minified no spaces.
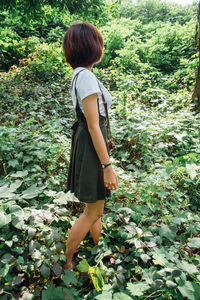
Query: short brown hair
{"x":82,"y":45}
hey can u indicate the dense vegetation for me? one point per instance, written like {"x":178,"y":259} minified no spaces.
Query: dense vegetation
{"x":150,"y":243}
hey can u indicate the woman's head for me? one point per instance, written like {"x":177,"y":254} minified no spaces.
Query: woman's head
{"x":82,"y":45}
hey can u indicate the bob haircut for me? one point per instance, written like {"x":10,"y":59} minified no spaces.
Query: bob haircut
{"x":82,"y":45}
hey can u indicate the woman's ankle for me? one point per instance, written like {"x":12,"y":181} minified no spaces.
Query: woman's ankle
{"x":68,"y":266}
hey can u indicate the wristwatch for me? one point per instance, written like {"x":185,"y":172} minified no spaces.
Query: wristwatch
{"x":105,"y":166}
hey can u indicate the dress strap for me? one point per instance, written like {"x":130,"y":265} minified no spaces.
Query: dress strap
{"x":106,"y":111}
{"x":74,"y":83}
{"x":75,"y":80}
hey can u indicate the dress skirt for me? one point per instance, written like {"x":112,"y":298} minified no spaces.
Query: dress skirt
{"x":85,"y":177}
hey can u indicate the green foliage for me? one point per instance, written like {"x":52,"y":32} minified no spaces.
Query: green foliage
{"x":115,"y":34}
{"x":132,"y":46}
{"x":45,"y":62}
{"x":156,"y":249}
{"x":36,"y":8}
{"x":150,"y":239}
{"x":157,"y":10}
{"x":170,"y":44}
{"x":11,"y":47}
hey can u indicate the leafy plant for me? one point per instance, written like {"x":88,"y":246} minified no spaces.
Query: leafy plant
{"x":150,"y":239}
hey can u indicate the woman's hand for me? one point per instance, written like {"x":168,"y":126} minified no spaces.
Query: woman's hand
{"x":110,"y":178}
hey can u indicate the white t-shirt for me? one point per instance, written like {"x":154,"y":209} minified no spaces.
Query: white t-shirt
{"x":86,"y":84}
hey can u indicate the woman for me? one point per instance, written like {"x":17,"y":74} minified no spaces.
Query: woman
{"x":91,"y":176}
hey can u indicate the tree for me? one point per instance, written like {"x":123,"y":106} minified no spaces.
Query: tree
{"x":34,"y":8}
{"x":196,"y":92}
{"x":157,"y":10}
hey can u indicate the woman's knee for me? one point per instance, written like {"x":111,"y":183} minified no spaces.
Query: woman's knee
{"x":94,"y":212}
{"x":93,"y":216}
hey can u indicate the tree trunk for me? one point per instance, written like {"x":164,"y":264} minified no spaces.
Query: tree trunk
{"x":196,"y":92}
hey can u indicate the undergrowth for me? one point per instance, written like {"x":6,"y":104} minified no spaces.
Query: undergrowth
{"x":150,"y":240}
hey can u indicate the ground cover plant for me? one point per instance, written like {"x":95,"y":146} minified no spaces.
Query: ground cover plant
{"x":150,"y":240}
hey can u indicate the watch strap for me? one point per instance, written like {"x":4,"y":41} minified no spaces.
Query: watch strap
{"x":105,"y":166}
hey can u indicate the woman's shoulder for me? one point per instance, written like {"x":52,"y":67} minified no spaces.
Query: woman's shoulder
{"x":83,"y":74}
{"x":86,"y":83}
{"x":86,"y":79}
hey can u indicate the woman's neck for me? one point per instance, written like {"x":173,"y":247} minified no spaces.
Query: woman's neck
{"x":89,"y":67}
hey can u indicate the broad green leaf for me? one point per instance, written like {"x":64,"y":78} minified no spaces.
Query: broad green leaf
{"x":148,"y":275}
{"x":83,"y":266}
{"x":15,"y":185}
{"x":16,"y":210}
{"x":194,"y":243}
{"x":4,"y":271}
{"x":170,"y":284}
{"x":69,"y":277}
{"x":7,"y":258}
{"x":145,"y":258}
{"x":96,"y":277}
{"x":196,"y":287}
{"x":19,"y":174}
{"x":4,"y":219}
{"x":31,"y":192}
{"x":13,"y":163}
{"x":17,"y":280}
{"x":5,"y":297}
{"x":104,"y":296}
{"x":20,"y":260}
{"x":179,"y":220}
{"x":159,"y":257}
{"x":180,"y":136}
{"x":166,"y":232}
{"x":158,"y":283}
{"x":176,"y":273}
{"x":9,"y":243}
{"x":63,"y":198}
{"x":5,"y":192}
{"x":187,"y":290}
{"x":137,"y":288}
{"x":50,"y":193}
{"x":36,"y":254}
{"x":45,"y":271}
{"x":121,"y":296}
{"x":162,"y":194}
{"x":189,"y":268}
{"x":27,"y":296}
{"x":57,"y":269}
{"x":3,"y":188}
{"x":17,"y":222}
{"x":191,"y":170}
{"x":31,"y":232}
{"x":53,"y":293}
{"x":68,"y":295}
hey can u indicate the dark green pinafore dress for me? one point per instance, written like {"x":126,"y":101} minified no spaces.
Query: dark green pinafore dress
{"x":85,"y":177}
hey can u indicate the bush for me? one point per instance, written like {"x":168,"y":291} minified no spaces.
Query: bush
{"x":115,"y":34}
{"x":55,"y":34}
{"x":157,"y":10}
{"x":45,"y":63}
{"x":12,"y":48}
{"x":169,"y":44}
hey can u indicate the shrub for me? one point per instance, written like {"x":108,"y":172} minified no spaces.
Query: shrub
{"x":45,"y":63}
{"x":12,"y":48}
{"x":169,"y":44}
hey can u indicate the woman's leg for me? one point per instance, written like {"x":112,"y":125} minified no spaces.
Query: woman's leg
{"x":95,"y":231}
{"x":90,"y":215}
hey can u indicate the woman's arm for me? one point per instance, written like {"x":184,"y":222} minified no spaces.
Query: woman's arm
{"x":90,"y":108}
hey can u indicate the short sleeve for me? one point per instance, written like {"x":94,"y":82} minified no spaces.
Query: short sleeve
{"x":87,"y":85}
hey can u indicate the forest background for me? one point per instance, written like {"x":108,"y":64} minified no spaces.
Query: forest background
{"x":150,"y":243}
